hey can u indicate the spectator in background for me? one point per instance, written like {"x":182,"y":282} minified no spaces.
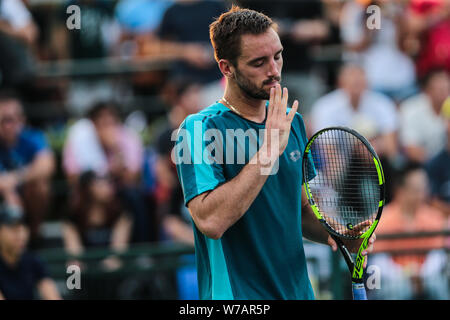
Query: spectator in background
{"x":438,"y":169}
{"x":96,"y":39}
{"x":428,"y":34}
{"x":389,"y":70}
{"x":184,"y":30}
{"x":176,"y":220}
{"x":370,"y":113}
{"x":422,"y":128}
{"x":409,"y":212}
{"x":26,"y":164}
{"x":184,"y":96}
{"x":139,"y":21}
{"x":97,"y":34}
{"x":18,"y":33}
{"x":96,"y":219}
{"x":104,"y":145}
{"x":353,"y":105}
{"x":21,"y":272}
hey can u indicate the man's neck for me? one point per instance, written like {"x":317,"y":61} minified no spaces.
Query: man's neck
{"x":247,"y":107}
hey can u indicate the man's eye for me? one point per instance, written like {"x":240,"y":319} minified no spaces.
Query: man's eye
{"x":277,"y":57}
{"x":259,"y":64}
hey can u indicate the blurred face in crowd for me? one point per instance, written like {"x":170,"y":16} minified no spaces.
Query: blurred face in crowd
{"x":11,"y":121}
{"x":415,"y":188}
{"x":13,"y":238}
{"x":438,"y":88}
{"x":352,"y":79}
{"x":258,"y":68}
{"x":101,"y":190}
{"x":107,"y":126}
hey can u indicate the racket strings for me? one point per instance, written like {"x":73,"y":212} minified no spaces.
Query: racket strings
{"x":343,"y":182}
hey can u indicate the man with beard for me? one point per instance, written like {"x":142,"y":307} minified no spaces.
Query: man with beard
{"x":245,"y":196}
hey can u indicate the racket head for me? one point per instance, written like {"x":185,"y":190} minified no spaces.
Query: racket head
{"x":344,"y":182}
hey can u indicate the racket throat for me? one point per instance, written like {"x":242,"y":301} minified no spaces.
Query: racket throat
{"x":345,"y":253}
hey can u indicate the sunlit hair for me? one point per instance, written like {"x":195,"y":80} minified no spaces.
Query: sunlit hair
{"x":226,"y":31}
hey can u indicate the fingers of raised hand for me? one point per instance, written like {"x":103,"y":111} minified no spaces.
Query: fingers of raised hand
{"x":271,"y":102}
{"x":277,"y":101}
{"x":284,"y":101}
{"x":293,"y":111}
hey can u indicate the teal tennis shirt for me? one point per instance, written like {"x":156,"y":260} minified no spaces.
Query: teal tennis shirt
{"x":261,"y":256}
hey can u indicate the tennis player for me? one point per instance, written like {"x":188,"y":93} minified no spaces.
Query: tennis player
{"x":249,"y":216}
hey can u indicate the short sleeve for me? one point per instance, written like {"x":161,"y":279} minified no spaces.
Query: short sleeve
{"x":197,"y":172}
{"x":31,"y":142}
{"x":40,"y":142}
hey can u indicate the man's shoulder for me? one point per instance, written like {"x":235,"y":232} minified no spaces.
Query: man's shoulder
{"x":298,"y":118}
{"x":212,"y":112}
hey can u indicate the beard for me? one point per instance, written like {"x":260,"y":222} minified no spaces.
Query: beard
{"x":251,"y":89}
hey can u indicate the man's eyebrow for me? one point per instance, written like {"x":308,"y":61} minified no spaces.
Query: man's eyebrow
{"x":263,"y":57}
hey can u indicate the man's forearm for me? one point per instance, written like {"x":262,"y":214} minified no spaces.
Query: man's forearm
{"x":216,"y":211}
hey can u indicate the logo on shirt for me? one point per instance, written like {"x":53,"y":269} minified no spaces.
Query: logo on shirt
{"x":295,"y":155}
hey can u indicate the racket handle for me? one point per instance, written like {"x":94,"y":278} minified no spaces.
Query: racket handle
{"x":359,"y":291}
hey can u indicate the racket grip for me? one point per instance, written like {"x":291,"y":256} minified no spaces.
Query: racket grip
{"x":359,"y":291}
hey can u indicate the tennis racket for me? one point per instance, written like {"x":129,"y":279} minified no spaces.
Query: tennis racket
{"x":344,"y":184}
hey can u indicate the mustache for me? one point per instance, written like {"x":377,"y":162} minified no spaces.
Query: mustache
{"x":278,"y":79}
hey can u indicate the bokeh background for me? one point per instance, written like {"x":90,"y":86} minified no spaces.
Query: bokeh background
{"x":86,"y":116}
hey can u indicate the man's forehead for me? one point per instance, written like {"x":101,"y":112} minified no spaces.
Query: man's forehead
{"x":266,"y":44}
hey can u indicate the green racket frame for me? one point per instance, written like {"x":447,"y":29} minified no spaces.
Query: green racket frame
{"x":356,"y":268}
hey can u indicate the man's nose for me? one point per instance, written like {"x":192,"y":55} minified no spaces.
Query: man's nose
{"x":273,"y":71}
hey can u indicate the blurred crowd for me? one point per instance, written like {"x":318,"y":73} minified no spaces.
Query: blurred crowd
{"x":380,"y":67}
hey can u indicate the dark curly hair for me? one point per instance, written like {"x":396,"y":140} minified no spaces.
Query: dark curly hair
{"x":226,"y":31}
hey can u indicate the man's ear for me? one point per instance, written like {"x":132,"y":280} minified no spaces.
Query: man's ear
{"x":226,"y":67}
